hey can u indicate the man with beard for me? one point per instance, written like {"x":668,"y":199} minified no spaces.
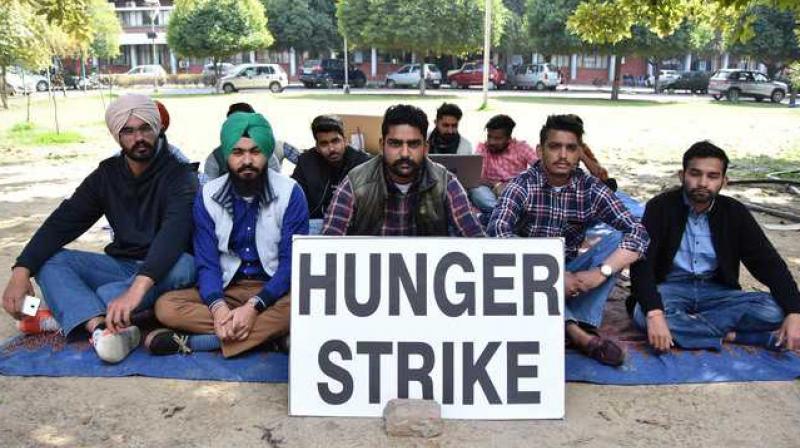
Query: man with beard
{"x":445,"y":139}
{"x":504,"y":158}
{"x":556,"y":199}
{"x":320,"y":169}
{"x":244,"y":223}
{"x":216,"y":165}
{"x":146,"y":195}
{"x":401,"y":192}
{"x":686,"y":290}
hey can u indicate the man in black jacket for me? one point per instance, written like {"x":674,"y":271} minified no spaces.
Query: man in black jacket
{"x":320,"y":169}
{"x":686,"y":290}
{"x":146,"y":195}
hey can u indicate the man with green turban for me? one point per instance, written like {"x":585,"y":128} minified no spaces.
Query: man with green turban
{"x":244,"y":223}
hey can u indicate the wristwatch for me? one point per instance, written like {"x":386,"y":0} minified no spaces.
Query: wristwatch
{"x":606,"y":270}
{"x":257,"y":303}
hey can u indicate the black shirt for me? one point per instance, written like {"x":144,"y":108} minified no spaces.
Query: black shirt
{"x":737,"y":239}
{"x":151,"y":215}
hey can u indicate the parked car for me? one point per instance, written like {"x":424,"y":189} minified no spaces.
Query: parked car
{"x":409,"y":76}
{"x":734,"y":84}
{"x":471,"y":74}
{"x":22,"y":81}
{"x":149,"y":72}
{"x":254,"y":76}
{"x":80,"y":82}
{"x":329,"y":73}
{"x":210,"y":75}
{"x":665,"y":77}
{"x":694,"y":82}
{"x":535,"y":76}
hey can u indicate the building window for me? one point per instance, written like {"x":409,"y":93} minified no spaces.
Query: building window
{"x":593,"y":61}
{"x":560,"y":60}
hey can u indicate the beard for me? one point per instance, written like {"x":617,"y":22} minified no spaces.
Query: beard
{"x":141,"y":151}
{"x":700,"y":195}
{"x":397,"y":168}
{"x":248,"y":180}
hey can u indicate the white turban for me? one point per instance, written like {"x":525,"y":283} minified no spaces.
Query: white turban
{"x":132,"y":105}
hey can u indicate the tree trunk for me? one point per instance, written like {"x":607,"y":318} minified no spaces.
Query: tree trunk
{"x":102,"y":99}
{"x":27,"y":98}
{"x":3,"y":93}
{"x":656,"y":73}
{"x":422,"y":75}
{"x":55,"y":102}
{"x":27,"y":107}
{"x":215,"y":60}
{"x":615,"y":82}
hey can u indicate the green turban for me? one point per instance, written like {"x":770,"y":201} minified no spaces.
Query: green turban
{"x":255,"y":126}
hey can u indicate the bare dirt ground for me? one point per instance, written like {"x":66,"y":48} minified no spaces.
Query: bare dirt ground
{"x":641,"y":145}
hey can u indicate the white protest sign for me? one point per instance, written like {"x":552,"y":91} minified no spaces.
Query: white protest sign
{"x":476,"y":324}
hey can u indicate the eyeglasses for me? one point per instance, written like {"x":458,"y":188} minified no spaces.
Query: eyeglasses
{"x":144,"y":129}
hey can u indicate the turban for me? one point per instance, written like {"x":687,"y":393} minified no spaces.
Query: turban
{"x":254,"y":126}
{"x":133,"y":105}
{"x":164,"y":114}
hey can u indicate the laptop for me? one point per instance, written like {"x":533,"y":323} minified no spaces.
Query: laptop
{"x":466,"y":167}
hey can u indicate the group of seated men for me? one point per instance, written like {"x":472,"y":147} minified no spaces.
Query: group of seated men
{"x":214,"y":261}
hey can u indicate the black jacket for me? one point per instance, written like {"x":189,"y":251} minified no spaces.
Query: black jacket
{"x":737,"y":239}
{"x":151,"y":215}
{"x":318,"y":179}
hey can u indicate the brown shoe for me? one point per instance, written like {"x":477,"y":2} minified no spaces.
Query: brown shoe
{"x":605,"y":351}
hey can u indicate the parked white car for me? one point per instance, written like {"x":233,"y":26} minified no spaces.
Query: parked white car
{"x":149,"y":72}
{"x":665,"y":77}
{"x":254,"y":76}
{"x":409,"y":76}
{"x":535,"y":76}
{"x":28,"y":83}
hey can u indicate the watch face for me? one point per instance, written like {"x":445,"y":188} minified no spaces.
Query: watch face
{"x":606,"y":270}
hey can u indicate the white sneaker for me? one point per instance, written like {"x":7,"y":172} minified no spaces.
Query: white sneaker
{"x":113,"y":348}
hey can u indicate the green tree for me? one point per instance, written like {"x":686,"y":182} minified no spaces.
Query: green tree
{"x":424,"y":27}
{"x":326,"y":29}
{"x":70,"y":15}
{"x":106,"y":30}
{"x":21,"y":41}
{"x":547,"y":27}
{"x":611,"y":24}
{"x":305,"y":25}
{"x":217,"y":28}
{"x":774,"y":42}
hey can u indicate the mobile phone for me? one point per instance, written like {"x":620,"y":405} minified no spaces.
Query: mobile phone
{"x":31,"y":305}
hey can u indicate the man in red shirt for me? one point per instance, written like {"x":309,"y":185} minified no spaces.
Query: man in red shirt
{"x":504,"y":158}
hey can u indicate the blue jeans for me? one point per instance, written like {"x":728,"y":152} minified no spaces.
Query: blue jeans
{"x":483,"y":197}
{"x":701,"y":312}
{"x":78,"y":285}
{"x":315,"y":226}
{"x":587,"y":308}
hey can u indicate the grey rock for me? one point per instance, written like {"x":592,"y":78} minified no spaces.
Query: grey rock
{"x":412,"y":418}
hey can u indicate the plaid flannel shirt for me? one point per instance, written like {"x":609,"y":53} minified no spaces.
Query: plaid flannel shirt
{"x":503,"y":167}
{"x":531,"y":207}
{"x":399,"y":220}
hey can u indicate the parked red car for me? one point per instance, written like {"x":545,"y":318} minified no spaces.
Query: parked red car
{"x":471,"y":74}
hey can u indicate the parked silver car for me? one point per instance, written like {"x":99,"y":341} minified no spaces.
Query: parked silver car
{"x":734,"y":84}
{"x":252,"y":76}
{"x":665,"y":78}
{"x":409,"y":76}
{"x":535,"y":76}
{"x":23,"y":81}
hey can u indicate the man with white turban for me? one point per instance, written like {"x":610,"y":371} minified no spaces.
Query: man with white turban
{"x":146,"y":195}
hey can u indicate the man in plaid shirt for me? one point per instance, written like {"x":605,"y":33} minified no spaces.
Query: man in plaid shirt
{"x":504,"y":158}
{"x":554,"y":198}
{"x":401,"y":192}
